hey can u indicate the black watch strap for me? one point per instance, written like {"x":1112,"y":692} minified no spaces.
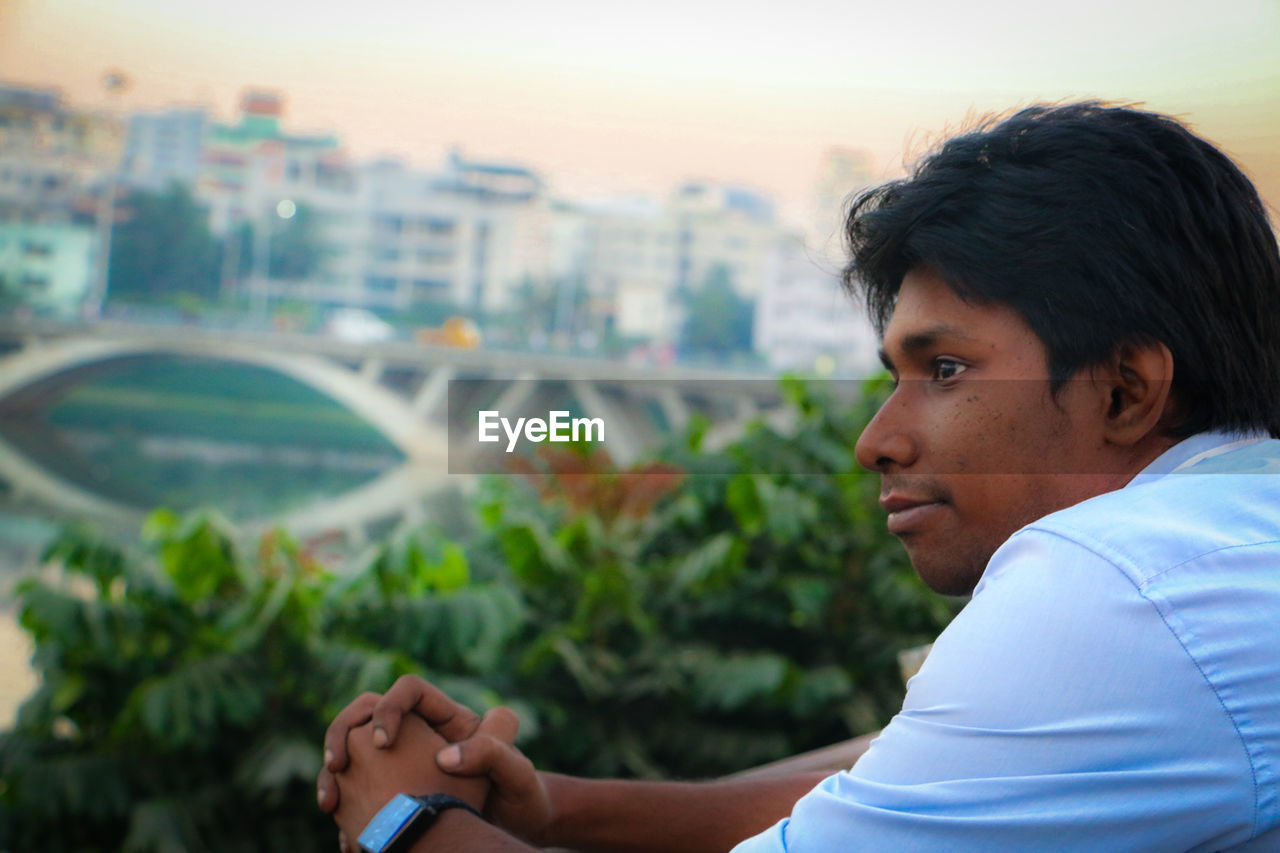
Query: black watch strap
{"x":404,"y":833}
{"x":432,"y":807}
{"x":436,"y":803}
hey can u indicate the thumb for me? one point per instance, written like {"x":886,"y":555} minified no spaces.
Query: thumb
{"x":484,"y":755}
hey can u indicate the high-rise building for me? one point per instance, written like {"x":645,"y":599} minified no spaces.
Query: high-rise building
{"x":52,"y":156}
{"x":249,"y":167}
{"x":805,"y":321}
{"x":644,"y":254}
{"x":164,"y":146}
{"x":57,"y":165}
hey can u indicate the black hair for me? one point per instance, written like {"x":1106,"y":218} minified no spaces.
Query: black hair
{"x":1100,"y":226}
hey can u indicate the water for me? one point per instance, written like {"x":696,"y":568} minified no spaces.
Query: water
{"x":187,"y":432}
{"x":170,"y":432}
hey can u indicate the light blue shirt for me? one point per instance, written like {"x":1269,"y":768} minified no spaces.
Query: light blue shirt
{"x":1113,"y":685}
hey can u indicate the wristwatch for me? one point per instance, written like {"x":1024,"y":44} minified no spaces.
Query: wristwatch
{"x":403,"y":820}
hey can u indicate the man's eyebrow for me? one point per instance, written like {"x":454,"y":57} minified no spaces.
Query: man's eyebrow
{"x":925,"y":339}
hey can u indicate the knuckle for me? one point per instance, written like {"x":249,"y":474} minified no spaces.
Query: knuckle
{"x":409,"y":682}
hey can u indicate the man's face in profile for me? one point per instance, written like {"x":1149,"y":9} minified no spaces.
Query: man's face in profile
{"x":972,"y":445}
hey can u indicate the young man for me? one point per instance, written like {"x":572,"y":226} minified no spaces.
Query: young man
{"x":1081,"y":308}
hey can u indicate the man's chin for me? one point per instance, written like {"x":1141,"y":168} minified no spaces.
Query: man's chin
{"x":945,"y":574}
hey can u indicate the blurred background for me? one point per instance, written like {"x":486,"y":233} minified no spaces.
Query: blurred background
{"x":246,"y":246}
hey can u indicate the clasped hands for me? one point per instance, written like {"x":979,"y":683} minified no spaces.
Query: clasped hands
{"x":414,"y":739}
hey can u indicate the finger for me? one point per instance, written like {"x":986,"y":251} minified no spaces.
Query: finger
{"x":343,"y":844}
{"x":511,"y":772}
{"x":453,"y":720}
{"x":500,"y":723}
{"x":335,"y":737}
{"x":327,"y":790}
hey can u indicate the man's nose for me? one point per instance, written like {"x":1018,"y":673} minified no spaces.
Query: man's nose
{"x":887,"y":443}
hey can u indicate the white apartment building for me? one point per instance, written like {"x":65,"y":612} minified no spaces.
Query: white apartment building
{"x":49,"y":266}
{"x":805,"y":322}
{"x":164,"y":146}
{"x":641,"y":253}
{"x":467,"y":234}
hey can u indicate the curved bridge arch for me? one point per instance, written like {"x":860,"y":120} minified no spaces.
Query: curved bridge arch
{"x":379,"y":407}
{"x":422,"y":444}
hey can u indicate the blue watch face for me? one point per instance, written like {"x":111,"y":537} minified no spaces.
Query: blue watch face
{"x":388,"y":823}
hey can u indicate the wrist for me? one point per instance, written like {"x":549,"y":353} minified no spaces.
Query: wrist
{"x":399,"y":825}
{"x":445,"y":826}
{"x":564,"y":809}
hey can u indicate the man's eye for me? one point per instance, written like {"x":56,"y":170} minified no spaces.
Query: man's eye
{"x":945,"y":368}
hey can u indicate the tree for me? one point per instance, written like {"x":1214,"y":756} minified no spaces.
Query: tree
{"x":755,"y":612}
{"x":295,"y":246}
{"x":184,"y":692}
{"x":718,"y":321}
{"x":161,"y":247}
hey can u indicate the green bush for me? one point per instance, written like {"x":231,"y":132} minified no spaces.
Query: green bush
{"x":654,"y":621}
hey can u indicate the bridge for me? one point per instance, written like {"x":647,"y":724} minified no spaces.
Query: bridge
{"x":400,"y":388}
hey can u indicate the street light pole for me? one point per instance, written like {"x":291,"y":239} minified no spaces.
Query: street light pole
{"x":261,"y":268}
{"x":115,"y":82}
{"x":102,"y":274}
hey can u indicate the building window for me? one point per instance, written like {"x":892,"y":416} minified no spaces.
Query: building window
{"x":380,"y":284}
{"x":388,"y":224}
{"x":435,"y":256}
{"x":430,"y":288}
{"x":37,"y":250}
{"x":439,"y":227}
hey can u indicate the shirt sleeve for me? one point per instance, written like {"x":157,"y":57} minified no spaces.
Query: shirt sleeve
{"x":1058,"y":712}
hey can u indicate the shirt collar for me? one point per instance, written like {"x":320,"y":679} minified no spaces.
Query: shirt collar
{"x":1192,"y":451}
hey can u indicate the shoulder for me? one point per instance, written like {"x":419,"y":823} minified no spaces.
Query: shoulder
{"x":1156,"y":524}
{"x":1113,"y":682}
{"x":1057,"y":704}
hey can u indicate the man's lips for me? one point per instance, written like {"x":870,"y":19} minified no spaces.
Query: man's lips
{"x":908,"y":513}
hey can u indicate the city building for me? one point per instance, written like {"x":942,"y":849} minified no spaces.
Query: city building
{"x":164,"y":146}
{"x":47,"y":267}
{"x":248,"y":167}
{"x":643,"y":254}
{"x":805,"y":322}
{"x":842,"y":173}
{"x":52,"y":157}
{"x":393,"y":238}
{"x":467,"y":235}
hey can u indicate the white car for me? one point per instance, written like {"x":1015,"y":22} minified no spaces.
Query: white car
{"x":359,"y":326}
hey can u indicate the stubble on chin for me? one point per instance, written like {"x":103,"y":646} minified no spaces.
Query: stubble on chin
{"x":948,"y":568}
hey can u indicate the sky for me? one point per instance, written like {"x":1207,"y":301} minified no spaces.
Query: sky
{"x":637,"y":97}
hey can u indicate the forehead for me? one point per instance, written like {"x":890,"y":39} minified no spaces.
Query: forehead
{"x":929,"y":313}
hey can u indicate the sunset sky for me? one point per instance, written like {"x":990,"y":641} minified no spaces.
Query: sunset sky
{"x":636,"y":97}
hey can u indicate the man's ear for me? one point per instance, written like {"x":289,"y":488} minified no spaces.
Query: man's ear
{"x":1137,"y":380}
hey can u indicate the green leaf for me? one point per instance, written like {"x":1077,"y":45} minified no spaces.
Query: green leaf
{"x":819,"y":688}
{"x":185,"y":707}
{"x":728,"y":683}
{"x":271,"y":764}
{"x":713,"y":561}
{"x":744,"y":501}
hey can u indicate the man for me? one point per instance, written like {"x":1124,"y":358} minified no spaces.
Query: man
{"x":1081,"y":308}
